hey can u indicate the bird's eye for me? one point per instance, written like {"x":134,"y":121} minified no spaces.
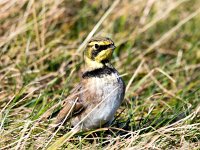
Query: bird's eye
{"x":96,"y":46}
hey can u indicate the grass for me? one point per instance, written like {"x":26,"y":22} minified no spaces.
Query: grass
{"x":157,"y":54}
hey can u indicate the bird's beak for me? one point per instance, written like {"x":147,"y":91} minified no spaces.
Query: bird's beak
{"x":113,"y":46}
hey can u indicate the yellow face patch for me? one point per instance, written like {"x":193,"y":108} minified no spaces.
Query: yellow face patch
{"x":99,"y":49}
{"x":104,"y":55}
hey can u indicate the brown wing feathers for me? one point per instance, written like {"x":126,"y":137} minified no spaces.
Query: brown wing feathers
{"x":67,"y":111}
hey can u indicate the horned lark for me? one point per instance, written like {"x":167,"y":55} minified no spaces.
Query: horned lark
{"x":94,"y":101}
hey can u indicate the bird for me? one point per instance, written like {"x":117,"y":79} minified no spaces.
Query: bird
{"x":93,"y":103}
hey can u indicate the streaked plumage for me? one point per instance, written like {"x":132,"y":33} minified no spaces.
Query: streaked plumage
{"x":94,"y":102}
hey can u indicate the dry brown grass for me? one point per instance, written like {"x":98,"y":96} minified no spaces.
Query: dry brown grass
{"x":157,"y":54}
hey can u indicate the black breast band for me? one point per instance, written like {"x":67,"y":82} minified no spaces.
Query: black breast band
{"x":99,"y":72}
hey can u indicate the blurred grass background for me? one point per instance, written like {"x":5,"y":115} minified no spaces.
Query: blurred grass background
{"x":158,"y":55}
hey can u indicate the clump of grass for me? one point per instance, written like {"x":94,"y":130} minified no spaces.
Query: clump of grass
{"x":157,"y":54}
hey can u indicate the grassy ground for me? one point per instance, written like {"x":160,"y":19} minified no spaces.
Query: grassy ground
{"x":158,"y":55}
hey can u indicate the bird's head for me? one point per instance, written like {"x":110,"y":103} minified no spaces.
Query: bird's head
{"x":99,"y":51}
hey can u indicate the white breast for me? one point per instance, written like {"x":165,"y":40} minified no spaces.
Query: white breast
{"x":110,"y":89}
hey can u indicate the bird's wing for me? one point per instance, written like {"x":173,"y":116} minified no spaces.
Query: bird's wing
{"x":72,"y":105}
